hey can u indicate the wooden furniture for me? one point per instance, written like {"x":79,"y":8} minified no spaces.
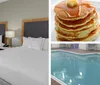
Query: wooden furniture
{"x":9,"y":35}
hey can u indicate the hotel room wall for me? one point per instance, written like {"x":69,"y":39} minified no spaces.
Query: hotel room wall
{"x":14,"y":11}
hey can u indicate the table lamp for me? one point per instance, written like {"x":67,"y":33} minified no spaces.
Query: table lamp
{"x":9,"y":36}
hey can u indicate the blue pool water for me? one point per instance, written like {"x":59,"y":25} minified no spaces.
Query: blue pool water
{"x":76,"y":69}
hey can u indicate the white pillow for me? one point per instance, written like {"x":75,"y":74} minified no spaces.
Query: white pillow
{"x":43,"y":41}
{"x":26,"y":42}
{"x":0,"y":40}
{"x":36,"y":43}
{"x":46,"y":45}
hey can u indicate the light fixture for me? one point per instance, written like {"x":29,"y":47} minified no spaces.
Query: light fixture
{"x":70,"y":81}
{"x":80,"y":73}
{"x":10,"y":35}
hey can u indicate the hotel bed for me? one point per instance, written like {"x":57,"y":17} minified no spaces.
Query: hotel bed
{"x":23,"y":65}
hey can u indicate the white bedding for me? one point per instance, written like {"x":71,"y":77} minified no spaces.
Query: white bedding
{"x":24,"y":66}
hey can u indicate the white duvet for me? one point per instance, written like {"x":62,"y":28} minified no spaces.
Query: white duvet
{"x":24,"y":66}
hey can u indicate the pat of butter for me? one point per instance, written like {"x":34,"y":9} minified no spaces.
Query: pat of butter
{"x":72,"y":3}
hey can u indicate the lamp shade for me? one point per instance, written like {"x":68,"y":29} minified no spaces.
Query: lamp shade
{"x":10,"y":34}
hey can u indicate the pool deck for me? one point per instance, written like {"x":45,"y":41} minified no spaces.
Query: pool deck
{"x":53,"y":82}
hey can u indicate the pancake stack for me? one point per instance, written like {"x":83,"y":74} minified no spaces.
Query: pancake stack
{"x":76,"y":21}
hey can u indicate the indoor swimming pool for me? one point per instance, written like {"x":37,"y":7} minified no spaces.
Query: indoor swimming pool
{"x":75,"y":69}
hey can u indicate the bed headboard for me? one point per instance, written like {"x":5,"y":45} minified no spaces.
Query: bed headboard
{"x":35,"y":28}
{"x":3,"y":28}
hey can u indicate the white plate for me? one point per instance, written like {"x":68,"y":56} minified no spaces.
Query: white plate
{"x":53,"y":3}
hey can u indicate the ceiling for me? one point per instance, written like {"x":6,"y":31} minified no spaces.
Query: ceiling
{"x":1,"y":1}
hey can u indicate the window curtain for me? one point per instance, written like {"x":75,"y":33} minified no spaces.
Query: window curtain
{"x":92,"y":47}
{"x":69,"y":46}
